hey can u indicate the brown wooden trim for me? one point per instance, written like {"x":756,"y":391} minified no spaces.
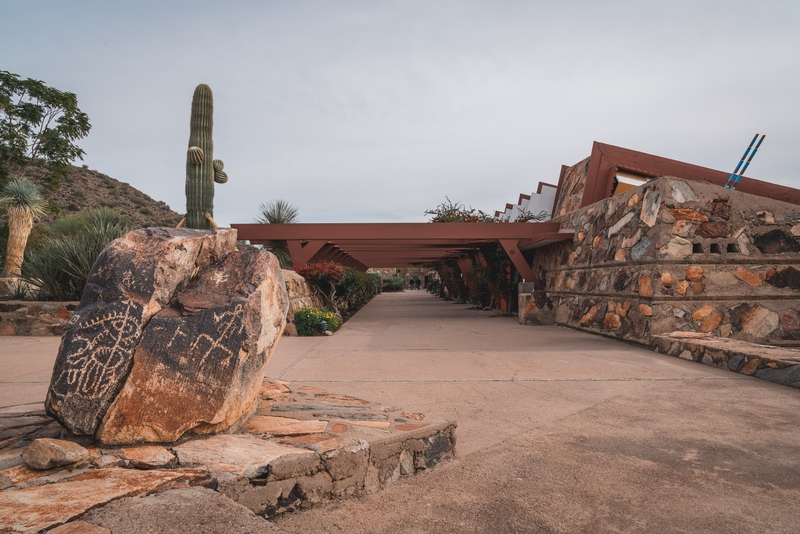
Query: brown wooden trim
{"x":606,"y":159}
{"x":543,"y":184}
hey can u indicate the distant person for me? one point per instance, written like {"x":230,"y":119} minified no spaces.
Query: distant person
{"x":418,"y":283}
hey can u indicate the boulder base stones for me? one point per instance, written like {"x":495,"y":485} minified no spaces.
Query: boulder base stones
{"x":46,"y":453}
{"x":132,"y":279}
{"x":200,"y":361}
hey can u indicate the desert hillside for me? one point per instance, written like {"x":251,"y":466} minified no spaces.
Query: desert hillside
{"x":86,"y":189}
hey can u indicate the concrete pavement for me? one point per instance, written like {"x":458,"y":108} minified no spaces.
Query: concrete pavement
{"x":26,"y":364}
{"x":559,"y":431}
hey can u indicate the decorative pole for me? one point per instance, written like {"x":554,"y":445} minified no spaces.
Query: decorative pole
{"x":734,"y":178}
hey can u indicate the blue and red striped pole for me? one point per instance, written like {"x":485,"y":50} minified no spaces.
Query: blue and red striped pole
{"x":741,"y":161}
{"x":734,"y":179}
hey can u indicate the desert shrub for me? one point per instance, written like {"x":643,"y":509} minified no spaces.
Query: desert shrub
{"x":450,"y":211}
{"x":394,"y":283}
{"x":435,"y":287}
{"x":278,"y":212}
{"x":377,"y":279}
{"x":60,"y":266}
{"x":20,"y":291}
{"x":308,"y":320}
{"x":355,"y":289}
{"x":343,"y":290}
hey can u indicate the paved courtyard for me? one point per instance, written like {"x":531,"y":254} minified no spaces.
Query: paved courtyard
{"x":559,"y":431}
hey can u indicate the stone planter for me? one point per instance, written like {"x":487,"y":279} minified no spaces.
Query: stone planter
{"x":33,"y":318}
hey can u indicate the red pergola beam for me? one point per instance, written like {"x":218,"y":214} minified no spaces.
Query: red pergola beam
{"x":384,"y":231}
{"x":398,"y":244}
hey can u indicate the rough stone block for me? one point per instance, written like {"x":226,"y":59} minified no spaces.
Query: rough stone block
{"x":294,"y":466}
{"x":47,"y":453}
{"x":245,"y":455}
{"x":200,"y":362}
{"x":133,"y":279}
{"x":315,"y":488}
{"x":788,"y":376}
{"x":345,"y":462}
{"x":259,"y":498}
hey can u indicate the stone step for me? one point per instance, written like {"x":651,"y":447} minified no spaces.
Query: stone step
{"x":300,"y":447}
{"x":768,"y":362}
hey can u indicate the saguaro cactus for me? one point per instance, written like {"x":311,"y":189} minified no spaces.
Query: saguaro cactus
{"x":201,"y":169}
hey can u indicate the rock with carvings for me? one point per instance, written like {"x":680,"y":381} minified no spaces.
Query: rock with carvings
{"x":131,"y":281}
{"x":172,"y":335}
{"x":200,"y":361}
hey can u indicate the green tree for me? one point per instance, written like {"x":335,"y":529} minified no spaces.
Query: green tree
{"x":278,"y":212}
{"x":22,"y":203}
{"x":38,"y":122}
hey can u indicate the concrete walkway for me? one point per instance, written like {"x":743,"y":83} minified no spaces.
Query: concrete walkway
{"x":559,"y":431}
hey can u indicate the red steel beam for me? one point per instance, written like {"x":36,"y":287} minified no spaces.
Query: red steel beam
{"x":401,"y":244}
{"x":388,"y":231}
{"x":511,"y":246}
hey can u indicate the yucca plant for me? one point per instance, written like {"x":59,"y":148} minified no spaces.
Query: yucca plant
{"x":278,"y":212}
{"x":23,"y":203}
{"x":60,"y":267}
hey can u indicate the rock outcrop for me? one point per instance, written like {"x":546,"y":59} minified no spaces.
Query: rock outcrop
{"x":173,"y":334}
{"x":300,"y":294}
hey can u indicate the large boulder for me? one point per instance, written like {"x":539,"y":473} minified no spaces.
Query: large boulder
{"x":168,"y":317}
{"x":201,"y":361}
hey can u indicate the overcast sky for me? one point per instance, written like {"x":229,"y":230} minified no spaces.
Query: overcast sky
{"x":375,"y":111}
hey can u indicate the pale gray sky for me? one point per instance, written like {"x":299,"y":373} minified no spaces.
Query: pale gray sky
{"x":374,"y":111}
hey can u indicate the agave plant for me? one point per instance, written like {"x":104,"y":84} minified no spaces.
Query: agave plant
{"x":60,"y":267}
{"x":278,"y":212}
{"x":22,"y":202}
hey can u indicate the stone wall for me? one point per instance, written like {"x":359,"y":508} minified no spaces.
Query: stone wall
{"x":27,"y":318}
{"x":674,"y":255}
{"x":572,"y":186}
{"x":300,"y":294}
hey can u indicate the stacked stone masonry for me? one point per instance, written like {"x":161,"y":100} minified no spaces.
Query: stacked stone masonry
{"x":674,"y":255}
{"x":26,"y":318}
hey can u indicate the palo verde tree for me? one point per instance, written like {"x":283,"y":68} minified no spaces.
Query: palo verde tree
{"x":38,"y":122}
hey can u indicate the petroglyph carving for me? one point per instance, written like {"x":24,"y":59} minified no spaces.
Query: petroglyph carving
{"x":132,"y":280}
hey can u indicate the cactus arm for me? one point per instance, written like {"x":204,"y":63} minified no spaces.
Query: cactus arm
{"x":220,"y":176}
